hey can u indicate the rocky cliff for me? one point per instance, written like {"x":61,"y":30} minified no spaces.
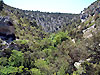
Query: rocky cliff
{"x":50,"y":22}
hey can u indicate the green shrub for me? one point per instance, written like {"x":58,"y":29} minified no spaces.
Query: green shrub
{"x":35,"y":71}
{"x":8,"y":70}
{"x":16,"y":58}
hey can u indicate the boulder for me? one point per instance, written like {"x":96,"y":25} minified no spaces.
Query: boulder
{"x":7,"y":31}
{"x":88,"y":32}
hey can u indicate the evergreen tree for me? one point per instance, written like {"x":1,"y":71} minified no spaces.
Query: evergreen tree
{"x":1,"y":5}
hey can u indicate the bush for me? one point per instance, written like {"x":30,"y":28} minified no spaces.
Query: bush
{"x":16,"y":58}
{"x":35,"y":71}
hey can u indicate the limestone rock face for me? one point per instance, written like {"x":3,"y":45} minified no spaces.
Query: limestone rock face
{"x":92,"y":10}
{"x":88,"y":32}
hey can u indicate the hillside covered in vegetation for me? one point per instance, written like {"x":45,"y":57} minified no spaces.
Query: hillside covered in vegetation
{"x":41,"y":43}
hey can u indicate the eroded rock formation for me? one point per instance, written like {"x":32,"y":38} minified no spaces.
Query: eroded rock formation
{"x":7,"y":29}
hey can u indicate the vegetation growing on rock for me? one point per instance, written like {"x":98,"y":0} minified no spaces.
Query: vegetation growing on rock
{"x":68,"y":51}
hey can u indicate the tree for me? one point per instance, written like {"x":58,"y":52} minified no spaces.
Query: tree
{"x":1,"y":5}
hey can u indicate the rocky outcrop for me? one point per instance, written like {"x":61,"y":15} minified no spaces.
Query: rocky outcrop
{"x":92,"y":10}
{"x":88,"y":32}
{"x":6,"y":29}
{"x":89,"y":17}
